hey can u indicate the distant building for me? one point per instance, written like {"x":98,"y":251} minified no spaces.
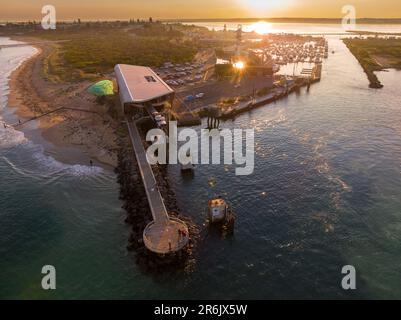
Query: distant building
{"x":140,"y":87}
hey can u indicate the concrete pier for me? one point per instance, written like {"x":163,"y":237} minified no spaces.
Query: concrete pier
{"x":164,"y":234}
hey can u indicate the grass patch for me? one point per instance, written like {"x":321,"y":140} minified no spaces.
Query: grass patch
{"x":365,"y":50}
{"x":91,"y":51}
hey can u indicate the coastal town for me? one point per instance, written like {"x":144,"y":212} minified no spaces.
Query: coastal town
{"x":188,"y":73}
{"x":190,"y":155}
{"x":235,"y":75}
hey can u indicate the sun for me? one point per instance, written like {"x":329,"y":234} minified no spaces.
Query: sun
{"x":239,"y":65}
{"x":261,"y":27}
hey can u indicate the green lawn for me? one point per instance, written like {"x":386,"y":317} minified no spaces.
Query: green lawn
{"x":91,"y":50}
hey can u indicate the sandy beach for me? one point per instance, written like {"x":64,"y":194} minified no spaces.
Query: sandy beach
{"x":90,"y":129}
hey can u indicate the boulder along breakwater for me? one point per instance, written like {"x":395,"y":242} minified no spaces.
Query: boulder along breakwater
{"x":135,"y":203}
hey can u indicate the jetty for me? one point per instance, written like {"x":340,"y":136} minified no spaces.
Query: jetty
{"x":143,"y":92}
{"x":21,"y":123}
{"x":4,"y":46}
{"x":164,"y":234}
{"x":295,"y":83}
{"x":32,"y":43}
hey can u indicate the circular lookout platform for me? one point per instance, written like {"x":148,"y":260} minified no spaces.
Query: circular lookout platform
{"x":166,"y":237}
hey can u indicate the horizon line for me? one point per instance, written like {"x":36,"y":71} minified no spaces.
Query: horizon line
{"x":207,"y":19}
{"x":367,"y":19}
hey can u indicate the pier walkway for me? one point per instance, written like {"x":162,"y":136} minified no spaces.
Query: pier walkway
{"x":164,"y":234}
{"x":24,"y":44}
{"x":21,"y":123}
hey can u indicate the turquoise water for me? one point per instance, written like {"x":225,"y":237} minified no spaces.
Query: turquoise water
{"x":68,"y":216}
{"x":326,"y":192}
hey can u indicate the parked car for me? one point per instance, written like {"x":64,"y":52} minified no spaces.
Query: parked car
{"x":189,"y":98}
{"x":172,"y":82}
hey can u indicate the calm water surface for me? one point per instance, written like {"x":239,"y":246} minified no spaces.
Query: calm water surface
{"x":326,"y":192}
{"x":304,"y":28}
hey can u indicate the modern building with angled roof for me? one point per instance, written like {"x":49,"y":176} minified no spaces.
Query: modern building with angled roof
{"x":140,"y":86}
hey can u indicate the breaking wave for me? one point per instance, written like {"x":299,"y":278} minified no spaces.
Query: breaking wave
{"x":51,"y":164}
{"x":11,"y":138}
{"x":35,"y":155}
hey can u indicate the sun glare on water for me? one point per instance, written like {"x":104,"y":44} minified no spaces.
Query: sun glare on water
{"x":261,"y":27}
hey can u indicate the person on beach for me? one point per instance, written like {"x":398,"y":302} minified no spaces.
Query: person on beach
{"x":91,"y":163}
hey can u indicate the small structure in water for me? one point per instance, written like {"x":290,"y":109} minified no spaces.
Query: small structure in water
{"x":220,"y":214}
{"x":188,"y":167}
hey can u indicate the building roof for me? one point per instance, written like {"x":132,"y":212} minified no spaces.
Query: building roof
{"x":138,"y":84}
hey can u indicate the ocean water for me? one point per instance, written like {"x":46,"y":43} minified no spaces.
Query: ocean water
{"x":326,"y":192}
{"x":303,"y":28}
{"x":52,"y":213}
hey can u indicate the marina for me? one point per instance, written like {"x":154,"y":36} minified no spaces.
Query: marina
{"x":296,"y":49}
{"x":285,"y":86}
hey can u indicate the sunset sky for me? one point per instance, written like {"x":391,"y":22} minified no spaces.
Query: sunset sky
{"x":188,"y":9}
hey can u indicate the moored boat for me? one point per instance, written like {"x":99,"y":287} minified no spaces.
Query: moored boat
{"x":220,"y":213}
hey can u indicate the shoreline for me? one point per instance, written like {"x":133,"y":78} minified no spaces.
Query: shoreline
{"x":72,"y":137}
{"x":374,"y":82}
{"x":32,"y":94}
{"x":373,"y":57}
